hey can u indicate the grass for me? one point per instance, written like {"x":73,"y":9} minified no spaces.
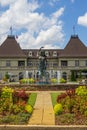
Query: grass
{"x":32,"y":99}
{"x":54,"y":98}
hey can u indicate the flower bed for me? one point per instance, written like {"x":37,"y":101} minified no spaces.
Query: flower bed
{"x":14,"y":106}
{"x":71,"y":107}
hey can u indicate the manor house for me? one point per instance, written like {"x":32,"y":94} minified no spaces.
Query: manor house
{"x":23,"y":63}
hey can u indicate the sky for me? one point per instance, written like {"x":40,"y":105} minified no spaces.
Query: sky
{"x":47,"y":23}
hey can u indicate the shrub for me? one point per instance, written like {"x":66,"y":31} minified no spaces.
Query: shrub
{"x":28,"y":108}
{"x":73,"y":76}
{"x":27,"y":81}
{"x":62,"y":80}
{"x":21,"y":94}
{"x":58,"y":109}
{"x":81,"y":91}
{"x":54,"y":80}
{"x":74,"y":101}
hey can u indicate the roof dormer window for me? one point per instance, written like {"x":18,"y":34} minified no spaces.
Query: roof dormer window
{"x":47,"y":53}
{"x":54,"y":53}
{"x":30,"y":53}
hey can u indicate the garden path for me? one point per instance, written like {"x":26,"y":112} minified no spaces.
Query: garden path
{"x":43,"y":113}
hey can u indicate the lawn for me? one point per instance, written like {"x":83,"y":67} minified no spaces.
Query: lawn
{"x":32,"y":99}
{"x":54,"y":98}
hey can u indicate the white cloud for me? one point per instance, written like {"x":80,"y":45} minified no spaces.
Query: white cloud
{"x":52,"y":2}
{"x":6,"y":2}
{"x":58,"y":13}
{"x":40,"y":29}
{"x":82,"y":20}
{"x":50,"y":36}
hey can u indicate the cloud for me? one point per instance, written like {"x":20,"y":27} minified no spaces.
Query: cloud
{"x":39,"y":28}
{"x":82,"y":20}
{"x":52,"y":2}
{"x":6,"y":2}
{"x":58,"y":13}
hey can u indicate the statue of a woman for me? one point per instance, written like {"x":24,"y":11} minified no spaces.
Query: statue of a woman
{"x":42,"y":62}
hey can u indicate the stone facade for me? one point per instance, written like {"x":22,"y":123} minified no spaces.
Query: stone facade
{"x":23,"y":63}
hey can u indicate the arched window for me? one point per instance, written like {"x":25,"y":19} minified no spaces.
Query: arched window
{"x":21,"y":75}
{"x":30,"y":74}
{"x":64,"y":75}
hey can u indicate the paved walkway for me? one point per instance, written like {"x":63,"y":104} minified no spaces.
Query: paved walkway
{"x":43,"y":113}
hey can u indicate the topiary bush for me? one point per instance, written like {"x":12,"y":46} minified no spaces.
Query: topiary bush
{"x":27,"y":81}
{"x":58,"y":109}
{"x":62,"y":80}
{"x":54,"y":80}
{"x":28,"y":108}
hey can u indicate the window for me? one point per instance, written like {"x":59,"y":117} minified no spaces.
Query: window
{"x":30,"y":53}
{"x":21,"y":63}
{"x":46,"y":53}
{"x":77,"y":63}
{"x":86,"y":63}
{"x":8,"y":63}
{"x":64,"y":75}
{"x":64,"y":63}
{"x":55,"y":65}
{"x":54,"y":53}
{"x":30,"y":64}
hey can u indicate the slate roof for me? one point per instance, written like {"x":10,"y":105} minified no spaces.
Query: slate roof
{"x":10,"y":48}
{"x":74,"y":48}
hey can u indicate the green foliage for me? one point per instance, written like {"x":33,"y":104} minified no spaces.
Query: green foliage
{"x":73,"y":76}
{"x":7,"y":75}
{"x":68,"y":104}
{"x":66,"y":119}
{"x":74,"y":101}
{"x":54,"y":80}
{"x":6,"y":119}
{"x":62,"y":80}
{"x":58,"y":109}
{"x":27,"y":81}
{"x":21,"y":118}
{"x":81,"y":91}
{"x":6,"y":98}
{"x":28,"y":108}
{"x":12,"y":107}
